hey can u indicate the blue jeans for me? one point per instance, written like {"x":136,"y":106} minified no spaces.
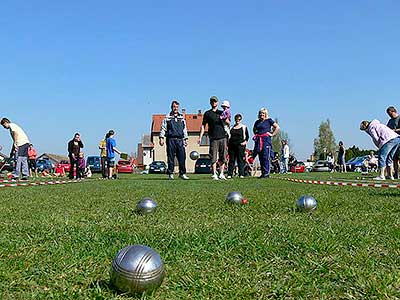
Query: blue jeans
{"x":22,"y":161}
{"x":387,"y":151}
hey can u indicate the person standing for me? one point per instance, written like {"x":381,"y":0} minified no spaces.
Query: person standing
{"x":264,"y":129}
{"x":173,"y":133}
{"x":111,"y":145}
{"x":20,"y":147}
{"x":285,"y":153}
{"x":74,"y":148}
{"x":32,"y":153}
{"x":386,"y":140}
{"x":394,"y":124}
{"x":341,"y":161}
{"x":103,"y":156}
{"x":218,"y":139}
{"x":239,"y":136}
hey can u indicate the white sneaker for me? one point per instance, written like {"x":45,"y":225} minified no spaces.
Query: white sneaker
{"x":391,"y":177}
{"x":214,"y":177}
{"x":241,"y":176}
{"x":222,"y":176}
{"x":184,"y":177}
{"x":171,"y":176}
{"x":229,"y":177}
{"x":379,"y":178}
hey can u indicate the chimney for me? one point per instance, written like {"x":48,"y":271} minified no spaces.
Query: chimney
{"x":183,"y":111}
{"x":199,"y":112}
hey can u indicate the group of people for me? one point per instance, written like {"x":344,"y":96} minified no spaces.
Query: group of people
{"x":387,"y":139}
{"x":227,"y":144}
{"x":226,"y":140}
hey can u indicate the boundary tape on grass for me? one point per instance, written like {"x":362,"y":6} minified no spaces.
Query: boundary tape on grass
{"x":36,"y":183}
{"x":340,"y":183}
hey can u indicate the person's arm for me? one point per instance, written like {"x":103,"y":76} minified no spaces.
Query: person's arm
{"x":185,"y":134}
{"x":14,"y":136}
{"x":276,"y":128}
{"x":102,"y":146}
{"x":163,"y":130}
{"x":70,"y":148}
{"x":201,"y":134}
{"x":80,"y":144}
{"x":254,"y":128}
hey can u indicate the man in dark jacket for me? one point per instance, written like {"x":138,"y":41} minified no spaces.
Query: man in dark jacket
{"x":173,"y":129}
{"x":74,"y":147}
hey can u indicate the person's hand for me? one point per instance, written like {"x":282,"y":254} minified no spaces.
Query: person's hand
{"x":199,"y":140}
{"x":243,"y":143}
{"x":161,"y":141}
{"x":185,"y":142}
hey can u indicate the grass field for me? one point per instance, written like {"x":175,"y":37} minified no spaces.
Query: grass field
{"x":58,"y":242}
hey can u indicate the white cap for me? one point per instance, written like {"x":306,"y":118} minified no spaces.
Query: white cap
{"x":225,"y":103}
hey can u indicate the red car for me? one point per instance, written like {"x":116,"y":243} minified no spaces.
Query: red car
{"x":65,"y":164}
{"x":299,"y":167}
{"x":124,"y":166}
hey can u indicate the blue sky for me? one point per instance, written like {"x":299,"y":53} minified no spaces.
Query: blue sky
{"x":91,"y":66}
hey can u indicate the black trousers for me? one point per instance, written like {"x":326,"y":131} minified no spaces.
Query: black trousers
{"x":176,"y":148}
{"x":73,"y":163}
{"x":104,"y":168}
{"x":236,"y":153}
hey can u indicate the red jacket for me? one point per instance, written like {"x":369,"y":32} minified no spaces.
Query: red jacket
{"x":32,"y":153}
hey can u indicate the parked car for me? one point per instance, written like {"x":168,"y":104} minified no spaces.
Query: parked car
{"x":45,"y":164}
{"x":7,"y":164}
{"x":158,"y":166}
{"x":94,"y":162}
{"x":202,"y":166}
{"x":358,"y":164}
{"x":321,"y":166}
{"x":299,"y":167}
{"x":124,"y":166}
{"x":65,"y":164}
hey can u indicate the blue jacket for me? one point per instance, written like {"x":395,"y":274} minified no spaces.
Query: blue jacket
{"x":174,"y":127}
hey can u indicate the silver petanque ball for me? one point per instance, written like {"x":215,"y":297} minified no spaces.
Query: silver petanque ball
{"x":306,"y":203}
{"x":137,"y":269}
{"x":146,"y":206}
{"x":235,"y":197}
{"x":194,"y":155}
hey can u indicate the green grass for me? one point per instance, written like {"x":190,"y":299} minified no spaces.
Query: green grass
{"x":58,"y":242}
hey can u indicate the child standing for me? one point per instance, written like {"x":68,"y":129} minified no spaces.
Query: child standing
{"x":81,"y":166}
{"x":226,"y":117}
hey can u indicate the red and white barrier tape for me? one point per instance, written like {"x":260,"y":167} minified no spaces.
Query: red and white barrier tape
{"x":36,"y":183}
{"x":336,"y":183}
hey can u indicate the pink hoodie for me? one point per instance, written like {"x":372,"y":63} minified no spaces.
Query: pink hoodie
{"x":380,"y":133}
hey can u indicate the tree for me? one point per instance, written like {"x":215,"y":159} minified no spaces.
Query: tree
{"x":325,"y":142}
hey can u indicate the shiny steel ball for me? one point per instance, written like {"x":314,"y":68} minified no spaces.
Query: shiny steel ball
{"x":234,"y":197}
{"x":137,"y":269}
{"x":194,"y":155}
{"x":146,"y":206}
{"x":306,"y":203}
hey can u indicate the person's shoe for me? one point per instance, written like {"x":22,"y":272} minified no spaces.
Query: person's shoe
{"x":264,"y":176}
{"x":222,"y":176}
{"x":391,"y":177}
{"x":24,"y":178}
{"x":229,"y":177}
{"x":214,"y":177}
{"x":184,"y":177}
{"x":241,"y":176}
{"x":379,"y":178}
{"x":171,"y":177}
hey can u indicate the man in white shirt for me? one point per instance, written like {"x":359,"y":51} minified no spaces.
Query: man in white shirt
{"x":285,"y":156}
{"x":20,"y":145}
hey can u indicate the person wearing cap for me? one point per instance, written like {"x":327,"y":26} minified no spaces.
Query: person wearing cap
{"x":264,"y":129}
{"x":20,"y":147}
{"x":174,"y":133}
{"x":217,"y":135}
{"x":386,"y":140}
{"x":226,"y":117}
{"x":32,"y":153}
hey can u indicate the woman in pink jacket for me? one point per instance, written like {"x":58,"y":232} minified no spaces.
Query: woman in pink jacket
{"x":386,"y":140}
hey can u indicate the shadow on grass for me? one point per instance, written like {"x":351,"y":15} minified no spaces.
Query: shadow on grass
{"x":108,"y":286}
